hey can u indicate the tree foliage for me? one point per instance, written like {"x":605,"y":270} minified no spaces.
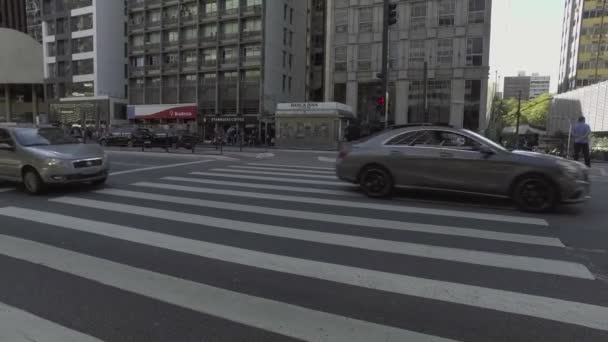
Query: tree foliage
{"x":533,"y":112}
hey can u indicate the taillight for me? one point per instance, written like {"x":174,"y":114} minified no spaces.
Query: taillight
{"x":342,"y":154}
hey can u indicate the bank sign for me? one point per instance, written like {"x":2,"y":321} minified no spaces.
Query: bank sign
{"x":146,"y":112}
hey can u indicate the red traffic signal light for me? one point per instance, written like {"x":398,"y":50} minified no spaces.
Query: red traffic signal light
{"x":381,"y":101}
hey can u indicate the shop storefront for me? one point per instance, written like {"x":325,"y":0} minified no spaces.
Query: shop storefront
{"x":177,"y":115}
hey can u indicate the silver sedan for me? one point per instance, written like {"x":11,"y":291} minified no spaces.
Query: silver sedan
{"x":45,"y":156}
{"x":450,"y":159}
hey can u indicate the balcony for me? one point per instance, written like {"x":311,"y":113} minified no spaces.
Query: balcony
{"x":74,"y":4}
{"x":209,"y":39}
{"x":251,"y":35}
{"x":152,"y":69}
{"x":209,"y":64}
{"x":250,"y":60}
{"x":168,"y":22}
{"x":137,"y":71}
{"x":170,"y":95}
{"x":228,"y":36}
{"x":136,"y":96}
{"x":136,"y":25}
{"x":170,"y":44}
{"x":189,"y":19}
{"x":153,"y":2}
{"x":137,"y":49}
{"x":228,"y":62}
{"x":152,"y":95}
{"x":251,"y":10}
{"x":189,"y":66}
{"x":250,"y":90}
{"x":229,"y":12}
{"x":207,"y":16}
{"x":364,"y":65}
{"x":189,"y":41}
{"x":187,"y":93}
{"x":153,"y":23}
{"x":170,"y":67}
{"x":136,"y":4}
{"x":152,"y":46}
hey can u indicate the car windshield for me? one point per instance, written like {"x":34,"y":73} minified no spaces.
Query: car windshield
{"x":486,"y":141}
{"x":43,"y":137}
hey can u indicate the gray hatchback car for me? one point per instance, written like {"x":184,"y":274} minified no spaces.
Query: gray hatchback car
{"x":450,"y":159}
{"x":38,"y":157}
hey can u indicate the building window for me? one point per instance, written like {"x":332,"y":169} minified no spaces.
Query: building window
{"x":83,"y":67}
{"x":290,"y":61}
{"x":418,"y":15}
{"x":250,"y":76}
{"x":137,"y":62}
{"x":137,"y":41}
{"x":50,"y":49}
{"x":210,"y":7}
{"x":477,"y":11}
{"x":190,"y":34}
{"x":81,"y":45}
{"x":474,"y":51}
{"x":51,"y":67}
{"x":51,"y":28}
{"x":284,"y":59}
{"x":229,"y":54}
{"x":439,"y":100}
{"x":153,"y":60}
{"x":171,"y":37}
{"x":230,"y":29}
{"x":365,"y":57}
{"x":366,"y":18}
{"x":446,"y":12}
{"x":61,"y":26}
{"x":284,"y":82}
{"x":153,"y":38}
{"x":252,"y":25}
{"x":472,"y":103}
{"x":170,"y":59}
{"x":82,"y":22}
{"x":290,"y":38}
{"x":209,"y":56}
{"x":393,"y":55}
{"x":417,"y":53}
{"x":154,"y":17}
{"x":285,"y":12}
{"x":170,"y":14}
{"x":190,"y":57}
{"x":78,"y":89}
{"x":291,"y":16}
{"x":61,"y":47}
{"x":210,"y":31}
{"x":341,"y":21}
{"x":445,"y":52}
{"x":289,"y":84}
{"x":340,"y":58}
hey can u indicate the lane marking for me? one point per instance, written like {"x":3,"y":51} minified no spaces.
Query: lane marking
{"x":292,"y":166}
{"x":265,"y":186}
{"x":140,"y":281}
{"x":19,"y":326}
{"x":160,"y":167}
{"x":274,"y":179}
{"x":326,"y":160}
{"x":276,"y":173}
{"x":266,"y":314}
{"x":356,"y":220}
{"x":6,"y":190}
{"x":166,"y":155}
{"x":129,"y":164}
{"x":281,"y":169}
{"x":522,"y":263}
{"x":379,"y":206}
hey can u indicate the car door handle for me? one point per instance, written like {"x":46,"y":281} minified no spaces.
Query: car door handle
{"x":446,"y":155}
{"x":395,"y":152}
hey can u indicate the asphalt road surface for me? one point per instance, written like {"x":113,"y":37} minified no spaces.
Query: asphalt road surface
{"x":239,"y":248}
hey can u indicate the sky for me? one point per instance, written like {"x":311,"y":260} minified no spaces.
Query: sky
{"x":526,"y":36}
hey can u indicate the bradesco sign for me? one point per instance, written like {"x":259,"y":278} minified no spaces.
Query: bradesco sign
{"x":144,"y":112}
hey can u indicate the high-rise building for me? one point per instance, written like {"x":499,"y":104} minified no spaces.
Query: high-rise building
{"x":584,"y":57}
{"x":34,"y":19}
{"x":215,"y":61}
{"x":316,"y":48}
{"x":84,"y":60}
{"x":451,"y":38}
{"x":530,"y":86}
{"x":12,"y":15}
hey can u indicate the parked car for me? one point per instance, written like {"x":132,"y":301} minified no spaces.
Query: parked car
{"x":450,"y":159}
{"x":186,"y":139}
{"x":127,"y":137}
{"x":45,"y":156}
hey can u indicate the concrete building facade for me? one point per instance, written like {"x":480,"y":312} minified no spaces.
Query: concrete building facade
{"x":234,"y":60}
{"x":539,"y":85}
{"x":584,"y":57}
{"x":513,"y":85}
{"x":34,"y":19}
{"x":451,"y":37}
{"x":84,"y":60}
{"x":590,"y":102}
{"x":316,"y":47}
{"x":12,"y":15}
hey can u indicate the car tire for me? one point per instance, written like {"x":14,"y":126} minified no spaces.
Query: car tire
{"x":32,"y":182}
{"x":535,"y":194}
{"x":103,"y":142}
{"x":376,"y":182}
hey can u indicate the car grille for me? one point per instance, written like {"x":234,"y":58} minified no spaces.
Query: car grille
{"x":87,"y":163}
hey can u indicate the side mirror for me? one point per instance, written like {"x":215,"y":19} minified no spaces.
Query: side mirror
{"x":485,"y":150}
{"x":6,"y":147}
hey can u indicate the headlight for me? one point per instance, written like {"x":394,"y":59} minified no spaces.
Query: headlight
{"x":54,"y":162}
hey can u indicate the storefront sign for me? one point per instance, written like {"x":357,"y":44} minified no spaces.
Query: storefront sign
{"x":224,"y":119}
{"x":145,"y":112}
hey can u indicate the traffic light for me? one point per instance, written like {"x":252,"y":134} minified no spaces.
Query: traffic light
{"x":392,"y":14}
{"x":381,"y":101}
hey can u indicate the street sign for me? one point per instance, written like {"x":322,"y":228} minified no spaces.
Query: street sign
{"x":225,"y":119}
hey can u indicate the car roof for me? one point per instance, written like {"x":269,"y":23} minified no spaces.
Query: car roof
{"x":397,"y":130}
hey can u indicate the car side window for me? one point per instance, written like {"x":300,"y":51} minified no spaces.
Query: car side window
{"x":456,"y":141}
{"x":405,"y":139}
{"x":5,"y":137}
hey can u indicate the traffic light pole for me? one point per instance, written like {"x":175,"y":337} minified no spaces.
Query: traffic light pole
{"x":385,"y":27}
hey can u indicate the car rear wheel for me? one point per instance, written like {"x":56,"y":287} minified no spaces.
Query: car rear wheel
{"x":99,"y":182}
{"x":103,"y":142}
{"x":535,"y":194}
{"x":32,"y":182}
{"x":376,"y":181}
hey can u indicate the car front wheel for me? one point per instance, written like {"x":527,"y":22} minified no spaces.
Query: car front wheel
{"x":99,"y":182}
{"x":376,"y":181}
{"x":32,"y":182}
{"x":535,"y":194}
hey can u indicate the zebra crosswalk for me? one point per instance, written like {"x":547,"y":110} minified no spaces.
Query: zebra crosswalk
{"x":258,"y":252}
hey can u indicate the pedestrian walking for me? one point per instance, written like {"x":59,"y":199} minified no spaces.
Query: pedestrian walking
{"x":581,"y":132}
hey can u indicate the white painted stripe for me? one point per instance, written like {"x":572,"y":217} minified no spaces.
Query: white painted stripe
{"x":370,"y":222}
{"x":160,"y":167}
{"x":380,"y":206}
{"x":592,"y":316}
{"x":130,"y":164}
{"x":6,"y":189}
{"x":276,"y":173}
{"x":281,"y":169}
{"x":326,"y":160}
{"x":521,"y":263}
{"x":292,"y":166}
{"x":266,"y":186}
{"x":165,"y":155}
{"x":20,"y":326}
{"x":274,"y":179}
{"x":281,"y":318}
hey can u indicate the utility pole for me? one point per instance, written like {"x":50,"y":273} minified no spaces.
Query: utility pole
{"x":425,"y":92}
{"x":517,"y":120}
{"x":390,"y":18}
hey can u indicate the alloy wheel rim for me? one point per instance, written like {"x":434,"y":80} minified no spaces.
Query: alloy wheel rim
{"x":31,"y":182}
{"x":536,"y":194}
{"x":375,"y":181}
